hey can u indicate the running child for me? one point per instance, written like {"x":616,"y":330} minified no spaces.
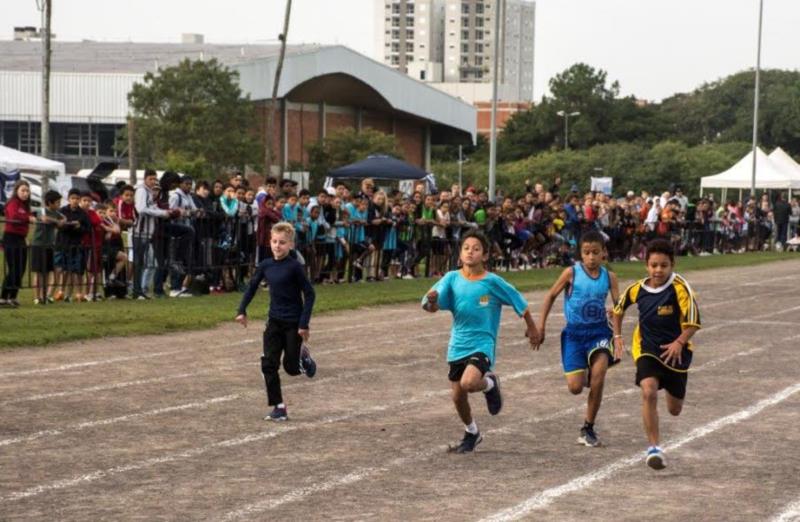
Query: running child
{"x":475,"y":298}
{"x":668,"y":318}
{"x":291,"y":298}
{"x":586,"y":351}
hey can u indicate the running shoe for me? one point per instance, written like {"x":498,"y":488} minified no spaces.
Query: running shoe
{"x":494,"y":399}
{"x":277,"y":414}
{"x":588,"y":437}
{"x":467,"y":444}
{"x":655,"y":458}
{"x":307,"y":364}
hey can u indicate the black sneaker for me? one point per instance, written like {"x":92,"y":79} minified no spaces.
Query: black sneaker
{"x":494,"y":399}
{"x":307,"y":364}
{"x":467,"y":444}
{"x":277,"y":414}
{"x":588,"y":437}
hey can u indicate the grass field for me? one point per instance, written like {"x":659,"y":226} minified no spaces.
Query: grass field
{"x":34,"y":326}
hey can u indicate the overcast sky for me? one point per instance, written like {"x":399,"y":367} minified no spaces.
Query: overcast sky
{"x":654,"y":48}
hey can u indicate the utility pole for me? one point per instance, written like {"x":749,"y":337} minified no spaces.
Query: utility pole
{"x":268,"y":156}
{"x":498,"y":10}
{"x":132,"y":166}
{"x":46,"y":8}
{"x":755,"y":102}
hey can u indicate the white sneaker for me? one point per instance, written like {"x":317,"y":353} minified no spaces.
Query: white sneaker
{"x":408,"y":276}
{"x":655,"y":458}
{"x":184,"y":293}
{"x":175,"y":293}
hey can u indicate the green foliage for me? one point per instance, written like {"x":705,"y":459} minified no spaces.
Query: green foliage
{"x":346,"y":146}
{"x":634,"y":166}
{"x":193,"y":117}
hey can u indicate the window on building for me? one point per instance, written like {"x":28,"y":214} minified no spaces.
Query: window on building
{"x":422,"y":75}
{"x":464,"y":60}
{"x":395,"y":47}
{"x":465,"y":35}
{"x":395,"y":22}
{"x":409,"y":21}
{"x":395,"y":34}
{"x":478,"y":34}
{"x":478,"y":48}
{"x":410,"y":34}
{"x":395,"y":8}
{"x":79,"y":140}
{"x":395,"y":60}
{"x":479,"y":60}
{"x":409,"y":47}
{"x":409,"y":8}
{"x":465,"y":21}
{"x":478,"y":21}
{"x":464,"y":47}
{"x":479,"y":8}
{"x":29,"y":139}
{"x":478,"y":75}
{"x":464,"y":8}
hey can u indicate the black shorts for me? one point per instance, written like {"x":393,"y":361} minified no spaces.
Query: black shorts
{"x":41,"y":259}
{"x":478,"y":359}
{"x":670,"y":380}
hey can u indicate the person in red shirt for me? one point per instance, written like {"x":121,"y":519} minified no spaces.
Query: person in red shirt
{"x":18,"y":218}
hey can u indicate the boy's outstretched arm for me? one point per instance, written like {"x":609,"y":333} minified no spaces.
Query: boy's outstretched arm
{"x":431,"y":302}
{"x":532,"y":333}
{"x":616,"y":322}
{"x":252,"y":288}
{"x":673,"y":350}
{"x":550,"y":297}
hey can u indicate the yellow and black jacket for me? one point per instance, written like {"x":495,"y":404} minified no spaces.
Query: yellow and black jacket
{"x":664,"y":313}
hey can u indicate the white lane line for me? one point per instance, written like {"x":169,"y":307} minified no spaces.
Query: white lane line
{"x":54,"y":432}
{"x":364,"y":473}
{"x":238,"y":441}
{"x":548,"y":496}
{"x":790,"y":513}
{"x":119,"y":385}
{"x":73,"y":366}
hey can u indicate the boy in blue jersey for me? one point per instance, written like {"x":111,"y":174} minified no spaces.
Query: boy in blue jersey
{"x":586,"y":351}
{"x":475,"y":298}
{"x":291,"y":299}
{"x":668,"y":318}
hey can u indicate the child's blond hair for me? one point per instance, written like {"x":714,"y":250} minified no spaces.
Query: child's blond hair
{"x":284,"y":228}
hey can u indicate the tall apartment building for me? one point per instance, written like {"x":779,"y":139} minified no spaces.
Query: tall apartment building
{"x":449,"y":43}
{"x":409,"y":36}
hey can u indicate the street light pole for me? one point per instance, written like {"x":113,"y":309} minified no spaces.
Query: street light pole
{"x":755,"y":102}
{"x":566,"y":116}
{"x":460,"y":161}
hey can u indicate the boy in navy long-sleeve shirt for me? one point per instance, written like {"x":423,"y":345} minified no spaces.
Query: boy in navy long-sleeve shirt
{"x":290,"y":305}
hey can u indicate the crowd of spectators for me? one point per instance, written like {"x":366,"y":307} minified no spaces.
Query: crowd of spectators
{"x":196,"y":237}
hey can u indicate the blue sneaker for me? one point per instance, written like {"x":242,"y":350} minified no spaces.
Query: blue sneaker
{"x":655,"y":458}
{"x":277,"y":414}
{"x":307,"y":364}
{"x":494,"y":400}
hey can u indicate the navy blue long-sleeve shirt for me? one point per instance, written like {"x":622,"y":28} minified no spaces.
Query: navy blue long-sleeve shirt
{"x":291,"y":296}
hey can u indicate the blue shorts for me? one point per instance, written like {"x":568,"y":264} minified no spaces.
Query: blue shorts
{"x":577,"y":348}
{"x":70,"y":259}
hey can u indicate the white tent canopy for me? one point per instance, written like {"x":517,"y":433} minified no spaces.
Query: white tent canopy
{"x":12,"y":159}
{"x":769,"y":175}
{"x":785,"y":162}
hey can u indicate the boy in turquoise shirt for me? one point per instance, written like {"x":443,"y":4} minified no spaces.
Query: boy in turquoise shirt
{"x":475,"y":298}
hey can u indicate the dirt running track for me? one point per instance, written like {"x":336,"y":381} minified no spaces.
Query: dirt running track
{"x":169,"y":427}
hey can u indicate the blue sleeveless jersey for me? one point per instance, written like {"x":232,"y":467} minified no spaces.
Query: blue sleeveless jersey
{"x":585,"y":301}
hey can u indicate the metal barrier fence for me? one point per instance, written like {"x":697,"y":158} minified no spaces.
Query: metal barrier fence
{"x":207,"y":254}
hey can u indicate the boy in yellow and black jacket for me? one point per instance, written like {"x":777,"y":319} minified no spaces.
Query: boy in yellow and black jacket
{"x":668,"y":318}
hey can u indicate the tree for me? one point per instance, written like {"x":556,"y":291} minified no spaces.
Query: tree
{"x":193,"y":116}
{"x":346,"y":146}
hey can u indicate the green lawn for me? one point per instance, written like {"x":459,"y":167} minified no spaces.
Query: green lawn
{"x":29,"y":325}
